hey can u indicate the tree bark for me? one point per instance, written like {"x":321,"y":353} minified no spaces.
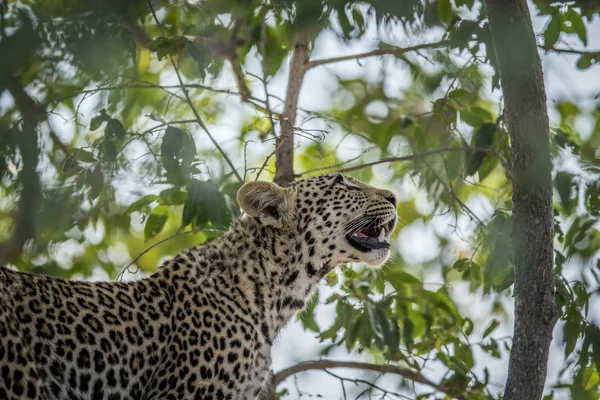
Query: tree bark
{"x":533,"y":230}
{"x":284,"y":144}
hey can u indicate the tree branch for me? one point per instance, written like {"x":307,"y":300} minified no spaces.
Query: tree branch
{"x":383,"y":369}
{"x":231,"y":55}
{"x":378,"y":52}
{"x":411,"y":157}
{"x":191,"y":104}
{"x":284,"y":144}
{"x":146,"y":86}
{"x":591,"y":53}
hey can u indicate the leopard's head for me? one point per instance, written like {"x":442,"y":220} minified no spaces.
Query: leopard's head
{"x":332,"y":216}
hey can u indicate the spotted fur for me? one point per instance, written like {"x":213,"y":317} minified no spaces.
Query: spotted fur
{"x":202,"y":326}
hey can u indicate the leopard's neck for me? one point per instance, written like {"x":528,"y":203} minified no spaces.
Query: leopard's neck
{"x":274,"y":272}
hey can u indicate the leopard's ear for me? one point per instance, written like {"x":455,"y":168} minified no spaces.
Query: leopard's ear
{"x":266,"y":201}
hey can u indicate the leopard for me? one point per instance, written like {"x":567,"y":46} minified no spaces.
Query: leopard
{"x":203,"y":325}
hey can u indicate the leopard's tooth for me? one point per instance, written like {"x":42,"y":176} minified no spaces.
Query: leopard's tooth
{"x":381,"y":235}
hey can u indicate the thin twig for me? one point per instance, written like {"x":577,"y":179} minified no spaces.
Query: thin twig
{"x":180,"y":122}
{"x":134,"y":86}
{"x":191,"y":104}
{"x":120,"y":276}
{"x":378,"y":52}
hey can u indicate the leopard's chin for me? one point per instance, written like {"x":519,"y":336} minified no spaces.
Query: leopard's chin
{"x":376,"y":258}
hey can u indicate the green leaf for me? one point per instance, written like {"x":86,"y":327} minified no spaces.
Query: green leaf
{"x":114,"y":128}
{"x":96,"y":181}
{"x":85,"y":156}
{"x":98,"y":120}
{"x":471,"y":118}
{"x":467,"y":326}
{"x":173,"y":197}
{"x":190,"y":210}
{"x":552,"y":31}
{"x":592,"y":196}
{"x":464,"y":354}
{"x":485,"y":135}
{"x":577,"y":24}
{"x":491,"y":349}
{"x":408,"y":330}
{"x":355,"y":328}
{"x":110,"y":150}
{"x":166,"y":46}
{"x":332,"y":278}
{"x":444,"y":9}
{"x":400,"y":279}
{"x":344,"y":22}
{"x":376,"y":323}
{"x":483,"y":138}
{"x":584,"y":62}
{"x":69,"y":163}
{"x":476,"y":273}
{"x":462,"y":264}
{"x":486,"y":167}
{"x":156,"y":221}
{"x":332,"y":298}
{"x":459,"y":94}
{"x":177,"y":153}
{"x":142,"y":202}
{"x":359,"y":20}
{"x":206,"y":204}
{"x":462,"y":33}
{"x":466,"y":3}
{"x":393,"y":341}
{"x":571,"y":331}
{"x":493,"y":325}
{"x":564,"y":184}
{"x":307,"y":316}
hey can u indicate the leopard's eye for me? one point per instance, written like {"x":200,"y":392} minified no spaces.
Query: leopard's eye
{"x":339,"y":180}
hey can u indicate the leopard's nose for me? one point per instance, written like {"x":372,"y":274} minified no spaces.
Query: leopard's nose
{"x":391,"y":199}
{"x":389,"y":196}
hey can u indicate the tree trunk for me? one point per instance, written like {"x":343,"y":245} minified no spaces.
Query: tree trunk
{"x":284,"y":144}
{"x":25,"y":221}
{"x":533,"y":230}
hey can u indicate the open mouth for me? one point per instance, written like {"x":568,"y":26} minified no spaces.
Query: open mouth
{"x":372,"y":237}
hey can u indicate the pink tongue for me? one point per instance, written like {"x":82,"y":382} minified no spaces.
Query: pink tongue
{"x":360,"y":234}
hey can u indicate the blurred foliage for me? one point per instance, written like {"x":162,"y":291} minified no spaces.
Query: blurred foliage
{"x":125,"y":164}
